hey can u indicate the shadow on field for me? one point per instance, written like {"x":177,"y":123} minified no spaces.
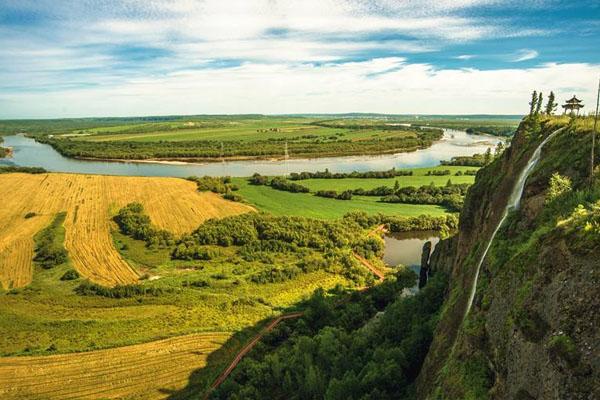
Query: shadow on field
{"x":201,"y":379}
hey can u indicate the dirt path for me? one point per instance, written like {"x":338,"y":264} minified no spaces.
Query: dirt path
{"x":367,"y":264}
{"x":379,"y":228}
{"x":221,"y":378}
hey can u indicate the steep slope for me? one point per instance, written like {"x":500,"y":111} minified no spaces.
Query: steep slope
{"x":532,"y":331}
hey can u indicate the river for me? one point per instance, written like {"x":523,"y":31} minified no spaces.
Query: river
{"x":29,"y":153}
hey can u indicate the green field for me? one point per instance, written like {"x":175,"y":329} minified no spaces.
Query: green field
{"x":48,"y":313}
{"x":280,"y":202}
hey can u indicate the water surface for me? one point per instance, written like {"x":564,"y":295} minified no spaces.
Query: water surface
{"x":29,"y":153}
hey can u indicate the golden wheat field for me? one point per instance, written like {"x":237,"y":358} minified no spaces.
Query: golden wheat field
{"x":145,"y":371}
{"x":89,"y":200}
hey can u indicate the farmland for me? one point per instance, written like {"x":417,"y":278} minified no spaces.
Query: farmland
{"x":172,"y":204}
{"x":147,"y":371}
{"x":192,"y":303}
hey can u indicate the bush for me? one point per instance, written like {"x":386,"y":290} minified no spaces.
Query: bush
{"x":562,"y":347}
{"x":49,"y":247}
{"x":87,"y":288}
{"x":285,"y":185}
{"x":70,"y":275}
{"x":133,"y":222}
{"x":558,"y":186}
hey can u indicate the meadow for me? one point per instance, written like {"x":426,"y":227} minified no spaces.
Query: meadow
{"x":279,"y":202}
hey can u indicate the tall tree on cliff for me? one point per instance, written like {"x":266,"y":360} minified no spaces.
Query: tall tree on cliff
{"x":551,"y":104}
{"x":533,"y":102}
{"x":538,"y":105}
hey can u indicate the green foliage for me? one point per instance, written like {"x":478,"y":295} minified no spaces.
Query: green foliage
{"x":355,"y":174}
{"x":5,"y":169}
{"x":451,"y":196}
{"x":221,"y":185}
{"x":551,"y":104}
{"x":87,"y":288}
{"x":558,"y":186}
{"x":562,"y":347}
{"x":343,"y":351}
{"x":70,"y":275}
{"x":332,"y":194}
{"x":49,"y":244}
{"x":285,"y":185}
{"x":133,"y":222}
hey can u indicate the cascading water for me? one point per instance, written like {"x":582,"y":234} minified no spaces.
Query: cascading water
{"x":513,"y":204}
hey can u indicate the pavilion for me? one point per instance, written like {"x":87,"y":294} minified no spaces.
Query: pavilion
{"x":573,"y":105}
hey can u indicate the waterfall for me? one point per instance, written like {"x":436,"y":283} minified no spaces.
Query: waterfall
{"x":513,"y":204}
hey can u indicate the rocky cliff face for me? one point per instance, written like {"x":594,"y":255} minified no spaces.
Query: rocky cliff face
{"x":533,"y":330}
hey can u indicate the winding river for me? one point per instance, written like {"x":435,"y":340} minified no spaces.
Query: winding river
{"x":29,"y":153}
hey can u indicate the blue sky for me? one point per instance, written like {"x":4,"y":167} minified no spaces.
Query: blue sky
{"x":142,"y":57}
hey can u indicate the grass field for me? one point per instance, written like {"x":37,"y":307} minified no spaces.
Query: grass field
{"x":172,"y":204}
{"x":279,"y":202}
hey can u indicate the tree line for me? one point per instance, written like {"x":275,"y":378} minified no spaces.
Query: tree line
{"x":392,"y":173}
{"x":205,"y":149}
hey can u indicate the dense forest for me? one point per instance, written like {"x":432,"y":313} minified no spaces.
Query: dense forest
{"x":368,"y":346}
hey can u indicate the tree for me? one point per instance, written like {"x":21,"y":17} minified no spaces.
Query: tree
{"x":488,"y":156}
{"x":533,"y":102}
{"x":551,"y":104}
{"x":396,"y":185}
{"x":499,"y":149}
{"x":538,"y":105}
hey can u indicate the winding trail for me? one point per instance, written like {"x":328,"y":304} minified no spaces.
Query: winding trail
{"x":249,"y":346}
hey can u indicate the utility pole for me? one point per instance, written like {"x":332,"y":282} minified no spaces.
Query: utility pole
{"x":594,"y":136}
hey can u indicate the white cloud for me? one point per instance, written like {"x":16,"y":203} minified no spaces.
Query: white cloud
{"x":399,"y":87}
{"x":464,"y":57}
{"x":524,"y":55}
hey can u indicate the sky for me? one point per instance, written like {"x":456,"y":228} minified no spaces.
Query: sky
{"x":83,"y":58}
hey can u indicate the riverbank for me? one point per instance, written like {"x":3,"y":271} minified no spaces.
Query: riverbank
{"x":30,"y":153}
{"x":204,"y":160}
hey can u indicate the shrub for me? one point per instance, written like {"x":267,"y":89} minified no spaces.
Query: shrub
{"x":133,"y":222}
{"x":88,"y":288}
{"x":49,"y":247}
{"x":70,"y":275}
{"x":557,"y":186}
{"x":562,"y":347}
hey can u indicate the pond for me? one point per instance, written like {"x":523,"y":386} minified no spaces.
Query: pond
{"x":405,"y":248}
{"x":29,"y":153}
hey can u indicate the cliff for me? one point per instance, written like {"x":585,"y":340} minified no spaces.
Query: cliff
{"x":532,"y":332}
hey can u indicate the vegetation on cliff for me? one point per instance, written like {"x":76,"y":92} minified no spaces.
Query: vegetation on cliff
{"x":527,"y":335}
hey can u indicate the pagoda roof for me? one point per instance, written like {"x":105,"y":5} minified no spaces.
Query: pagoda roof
{"x":574,"y":100}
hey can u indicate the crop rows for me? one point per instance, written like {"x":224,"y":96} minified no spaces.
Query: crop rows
{"x":89,"y":200}
{"x":149,"y":370}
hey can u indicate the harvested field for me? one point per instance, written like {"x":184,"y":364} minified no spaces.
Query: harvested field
{"x":89,"y":200}
{"x":145,"y":371}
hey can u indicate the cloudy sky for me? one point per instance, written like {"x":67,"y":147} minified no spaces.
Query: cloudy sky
{"x":69,"y":58}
